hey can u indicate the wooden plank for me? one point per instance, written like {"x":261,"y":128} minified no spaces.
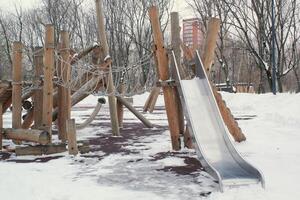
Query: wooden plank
{"x":33,"y":135}
{"x":163,"y":71}
{"x":38,"y":93}
{"x":110,"y":85}
{"x":48,"y":82}
{"x":17,"y":85}
{"x":72,"y":141}
{"x":64,"y":94}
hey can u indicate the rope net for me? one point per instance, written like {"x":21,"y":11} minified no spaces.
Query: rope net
{"x":127,"y":80}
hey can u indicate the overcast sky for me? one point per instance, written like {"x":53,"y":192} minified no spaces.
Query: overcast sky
{"x":179,"y":6}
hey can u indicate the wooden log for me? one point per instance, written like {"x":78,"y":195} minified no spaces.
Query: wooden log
{"x":154,"y":99}
{"x":41,"y":150}
{"x":228,"y":118}
{"x":120,"y":107}
{"x":1,"y":124}
{"x":146,"y":122}
{"x":151,"y":100}
{"x":208,"y":57}
{"x":72,"y":141}
{"x":48,"y":82}
{"x":7,"y":104}
{"x":64,"y":94}
{"x":49,"y":149}
{"x":147,"y":103}
{"x":110,"y":85}
{"x":38,"y":93}
{"x":33,"y":135}
{"x":82,"y":54}
{"x":213,"y":28}
{"x":175,"y":42}
{"x":17,"y":85}
{"x":188,"y":142}
{"x":28,"y":119}
{"x":163,"y":71}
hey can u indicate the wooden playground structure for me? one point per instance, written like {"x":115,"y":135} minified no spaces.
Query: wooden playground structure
{"x":53,"y":102}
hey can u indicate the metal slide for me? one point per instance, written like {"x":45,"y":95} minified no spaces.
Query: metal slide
{"x":215,"y":150}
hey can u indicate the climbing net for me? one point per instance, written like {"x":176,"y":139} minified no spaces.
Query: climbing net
{"x":127,"y":80}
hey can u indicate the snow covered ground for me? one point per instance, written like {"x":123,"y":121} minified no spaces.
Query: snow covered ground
{"x":141,"y":166}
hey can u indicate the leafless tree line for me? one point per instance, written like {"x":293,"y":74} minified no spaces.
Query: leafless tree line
{"x":127,"y":24}
{"x":245,"y":44}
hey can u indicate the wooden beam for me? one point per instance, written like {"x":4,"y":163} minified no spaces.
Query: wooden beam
{"x":146,"y":122}
{"x":17,"y":85}
{"x":163,"y":72}
{"x":38,"y":93}
{"x":64,"y":94}
{"x":33,"y":135}
{"x":72,"y":141}
{"x":110,"y":85}
{"x":48,"y":79}
{"x":213,"y":28}
{"x":40,"y":150}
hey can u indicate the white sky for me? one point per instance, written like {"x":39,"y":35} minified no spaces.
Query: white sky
{"x":179,"y":6}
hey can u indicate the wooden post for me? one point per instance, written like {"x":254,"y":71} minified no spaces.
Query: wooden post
{"x":72,"y":142}
{"x":17,"y":85}
{"x":210,"y":42}
{"x":163,"y":71}
{"x":64,"y":94}
{"x":48,"y":82}
{"x":176,"y":42}
{"x":110,"y":85}
{"x":38,"y":93}
{"x":120,"y":107}
{"x":208,"y":57}
{"x":1,"y":124}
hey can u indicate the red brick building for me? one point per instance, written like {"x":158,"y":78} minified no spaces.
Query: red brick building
{"x":192,"y":34}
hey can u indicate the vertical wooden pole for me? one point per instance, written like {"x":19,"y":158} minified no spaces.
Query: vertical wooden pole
{"x":38,"y":94}
{"x":72,"y":141}
{"x":110,"y":85}
{"x":48,"y":79}
{"x":1,"y":124}
{"x":17,"y":86}
{"x":120,"y":109}
{"x":175,"y":42}
{"x":213,"y":28}
{"x":163,"y":71}
{"x":64,"y":94}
